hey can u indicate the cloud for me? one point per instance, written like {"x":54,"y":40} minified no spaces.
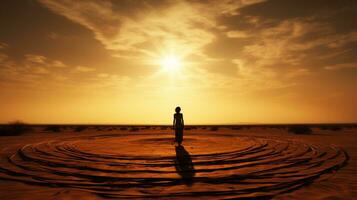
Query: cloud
{"x":132,"y":28}
{"x":43,"y":73}
{"x":35,"y":58}
{"x":83,"y":69}
{"x":237,"y":34}
{"x":91,"y":14}
{"x":341,"y":66}
{"x":3,"y":57}
{"x":282,"y":42}
{"x":59,"y":64}
{"x":3,"y":45}
{"x":102,"y":75}
{"x":268,"y":58}
{"x":37,"y":71}
{"x":32,"y":70}
{"x":172,"y":26}
{"x":40,"y":60}
{"x":267,"y":44}
{"x":341,"y":40}
{"x":297,"y":72}
{"x":289,"y":48}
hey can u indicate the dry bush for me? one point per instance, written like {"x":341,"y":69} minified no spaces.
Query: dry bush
{"x":132,"y":129}
{"x":14,"y":128}
{"x":214,"y":128}
{"x":80,"y":128}
{"x":331,"y":127}
{"x":300,"y":129}
{"x":53,"y":128}
{"x":248,"y":127}
{"x":236,"y":127}
{"x":145,"y":128}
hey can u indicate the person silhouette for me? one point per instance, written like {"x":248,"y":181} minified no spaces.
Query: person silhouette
{"x":178,"y":125}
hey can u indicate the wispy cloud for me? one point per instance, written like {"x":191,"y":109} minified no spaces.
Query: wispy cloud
{"x":269,"y":49}
{"x":142,"y":27}
{"x":35,"y":58}
{"x":3,"y":45}
{"x":83,"y":69}
{"x":38,"y":71}
{"x":237,"y":34}
{"x":341,"y":66}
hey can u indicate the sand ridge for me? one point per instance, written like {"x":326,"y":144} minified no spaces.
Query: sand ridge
{"x":142,"y":165}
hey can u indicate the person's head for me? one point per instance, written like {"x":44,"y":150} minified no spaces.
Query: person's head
{"x":177,"y":109}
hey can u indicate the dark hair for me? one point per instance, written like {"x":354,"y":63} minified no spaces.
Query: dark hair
{"x":178,"y":109}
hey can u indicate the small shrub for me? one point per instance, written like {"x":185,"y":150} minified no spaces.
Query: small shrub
{"x":300,"y":129}
{"x":236,"y":128}
{"x":247,"y":127}
{"x":123,"y":128}
{"x":80,"y":128}
{"x":214,"y":128}
{"x":132,"y":129}
{"x":331,"y":128}
{"x":14,"y":128}
{"x":53,"y":128}
{"x":350,"y":126}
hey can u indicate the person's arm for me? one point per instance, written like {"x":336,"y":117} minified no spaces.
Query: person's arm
{"x":182,"y":121}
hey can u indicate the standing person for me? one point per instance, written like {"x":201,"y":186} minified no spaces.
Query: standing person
{"x":178,"y":125}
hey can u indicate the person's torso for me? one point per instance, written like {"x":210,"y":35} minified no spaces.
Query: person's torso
{"x":178,"y":118}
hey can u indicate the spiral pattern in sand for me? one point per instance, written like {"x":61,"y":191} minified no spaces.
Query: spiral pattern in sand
{"x":140,"y":166}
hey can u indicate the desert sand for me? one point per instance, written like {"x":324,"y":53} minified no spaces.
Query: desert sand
{"x":102,"y":162}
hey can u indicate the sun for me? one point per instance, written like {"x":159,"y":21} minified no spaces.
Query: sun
{"x":171,"y":62}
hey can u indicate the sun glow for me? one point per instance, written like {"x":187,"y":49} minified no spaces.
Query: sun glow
{"x":171,"y":63}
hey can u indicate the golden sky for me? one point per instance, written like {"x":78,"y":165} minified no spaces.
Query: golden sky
{"x":134,"y":61}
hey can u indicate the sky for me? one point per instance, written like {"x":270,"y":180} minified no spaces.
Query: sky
{"x":134,"y":61}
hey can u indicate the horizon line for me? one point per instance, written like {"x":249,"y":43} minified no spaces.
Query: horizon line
{"x":208,"y":124}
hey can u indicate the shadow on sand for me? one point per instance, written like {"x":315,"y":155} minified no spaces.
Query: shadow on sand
{"x":184,"y":166}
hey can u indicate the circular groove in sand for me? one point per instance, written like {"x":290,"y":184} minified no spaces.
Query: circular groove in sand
{"x":151,"y":167}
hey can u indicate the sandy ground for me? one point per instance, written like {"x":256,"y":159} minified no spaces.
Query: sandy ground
{"x":97,"y":163}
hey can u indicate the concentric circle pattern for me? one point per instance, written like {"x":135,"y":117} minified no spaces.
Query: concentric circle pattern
{"x":140,"y":166}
